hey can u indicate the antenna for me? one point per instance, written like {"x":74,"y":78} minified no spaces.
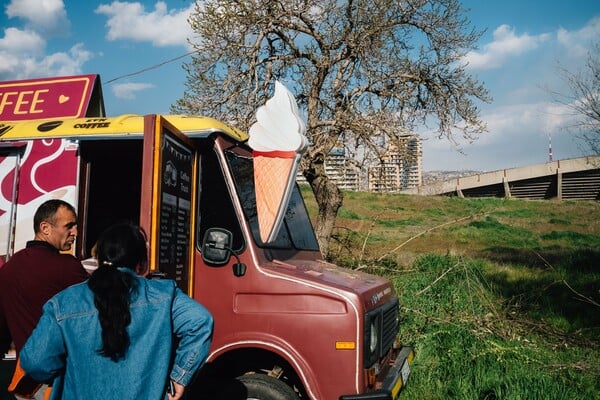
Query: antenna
{"x":549,"y":148}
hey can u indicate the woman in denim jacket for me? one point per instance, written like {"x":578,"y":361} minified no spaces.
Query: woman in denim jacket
{"x":119,"y":335}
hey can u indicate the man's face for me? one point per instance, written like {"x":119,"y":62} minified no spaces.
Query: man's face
{"x":62,"y":231}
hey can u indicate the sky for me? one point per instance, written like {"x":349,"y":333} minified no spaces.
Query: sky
{"x":138,"y":49}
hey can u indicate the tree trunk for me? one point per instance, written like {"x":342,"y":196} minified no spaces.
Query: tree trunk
{"x":329,"y":199}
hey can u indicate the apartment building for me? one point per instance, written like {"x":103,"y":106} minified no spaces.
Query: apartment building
{"x":400,"y":167}
{"x":341,"y":169}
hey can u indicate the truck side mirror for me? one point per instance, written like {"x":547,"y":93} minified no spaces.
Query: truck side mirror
{"x":216,"y":250}
{"x":216,"y":246}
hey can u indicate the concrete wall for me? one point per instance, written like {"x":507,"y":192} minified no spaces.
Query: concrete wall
{"x":548,"y":180}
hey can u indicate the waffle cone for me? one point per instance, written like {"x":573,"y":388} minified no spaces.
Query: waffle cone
{"x":271,"y":175}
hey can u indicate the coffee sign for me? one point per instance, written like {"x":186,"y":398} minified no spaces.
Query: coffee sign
{"x":65,"y":97}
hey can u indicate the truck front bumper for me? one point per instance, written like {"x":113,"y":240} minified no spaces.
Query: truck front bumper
{"x":394,"y":381}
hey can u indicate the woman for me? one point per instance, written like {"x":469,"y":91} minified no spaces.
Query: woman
{"x":119,"y":335}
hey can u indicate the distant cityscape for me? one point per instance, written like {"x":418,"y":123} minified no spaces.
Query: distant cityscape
{"x":399,"y":168}
{"x":439,"y":176}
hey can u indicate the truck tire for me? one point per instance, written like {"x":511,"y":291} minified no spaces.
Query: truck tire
{"x":264,"y":387}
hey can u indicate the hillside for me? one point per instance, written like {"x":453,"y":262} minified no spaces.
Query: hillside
{"x":500,"y":298}
{"x":372,"y":228}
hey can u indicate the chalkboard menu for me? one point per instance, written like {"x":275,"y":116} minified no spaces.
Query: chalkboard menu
{"x":175,"y":200}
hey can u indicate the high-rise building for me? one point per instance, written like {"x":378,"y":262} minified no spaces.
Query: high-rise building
{"x":399,"y":169}
{"x":400,"y":166}
{"x":341,"y":169}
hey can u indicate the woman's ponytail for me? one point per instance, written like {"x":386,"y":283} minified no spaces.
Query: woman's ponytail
{"x":120,"y":246}
{"x":111,"y":289}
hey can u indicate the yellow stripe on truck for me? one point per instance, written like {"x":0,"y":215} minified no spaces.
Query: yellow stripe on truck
{"x":124,"y":125}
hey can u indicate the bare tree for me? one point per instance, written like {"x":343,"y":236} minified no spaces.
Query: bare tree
{"x":360,"y":69}
{"x":583,"y":100}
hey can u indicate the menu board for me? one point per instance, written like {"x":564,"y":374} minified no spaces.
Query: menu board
{"x":175,"y":200}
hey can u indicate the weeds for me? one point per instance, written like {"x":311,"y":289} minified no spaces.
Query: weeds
{"x":499,"y":297}
{"x":471,"y":345}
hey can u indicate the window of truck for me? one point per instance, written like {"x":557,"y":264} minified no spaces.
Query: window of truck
{"x":296,"y":231}
{"x":215,"y":207}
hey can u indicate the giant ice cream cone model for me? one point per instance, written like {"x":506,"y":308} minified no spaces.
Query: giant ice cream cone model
{"x":277,"y":140}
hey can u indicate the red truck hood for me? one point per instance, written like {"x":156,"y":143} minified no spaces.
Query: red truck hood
{"x":374,"y":290}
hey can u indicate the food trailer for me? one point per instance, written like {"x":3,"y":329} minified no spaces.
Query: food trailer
{"x":288,"y":324}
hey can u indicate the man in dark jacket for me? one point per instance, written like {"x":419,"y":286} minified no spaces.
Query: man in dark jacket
{"x":37,"y":272}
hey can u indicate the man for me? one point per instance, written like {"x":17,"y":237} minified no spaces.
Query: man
{"x":33,"y":275}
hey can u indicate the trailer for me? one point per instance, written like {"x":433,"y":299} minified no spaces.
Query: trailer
{"x":288,"y":324}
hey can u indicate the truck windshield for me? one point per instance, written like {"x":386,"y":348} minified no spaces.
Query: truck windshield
{"x":296,"y":231}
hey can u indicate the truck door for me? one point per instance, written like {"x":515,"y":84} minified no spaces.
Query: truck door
{"x":168,"y":200}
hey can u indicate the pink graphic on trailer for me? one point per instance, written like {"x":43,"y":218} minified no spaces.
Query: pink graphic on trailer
{"x":47,"y":167}
{"x":48,"y":170}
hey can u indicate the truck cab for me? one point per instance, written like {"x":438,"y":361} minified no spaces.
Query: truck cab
{"x":288,"y":324}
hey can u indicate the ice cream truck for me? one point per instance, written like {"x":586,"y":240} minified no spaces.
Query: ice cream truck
{"x":225,"y":220}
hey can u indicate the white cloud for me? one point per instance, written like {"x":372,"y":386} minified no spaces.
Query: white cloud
{"x":509,"y":124}
{"x":23,"y":50}
{"x":66,"y":63}
{"x":514,"y":121}
{"x":522,"y":70}
{"x":130,"y":21}
{"x":577,"y":43}
{"x":17,"y":41}
{"x":128,"y":90}
{"x":48,"y":17}
{"x":506,"y":44}
{"x":512,"y":126}
{"x":21,"y":65}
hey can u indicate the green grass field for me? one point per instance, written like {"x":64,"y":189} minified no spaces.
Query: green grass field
{"x":500,"y":297}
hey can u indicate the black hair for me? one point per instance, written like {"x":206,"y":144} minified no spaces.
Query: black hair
{"x":120,"y":246}
{"x":47,"y":212}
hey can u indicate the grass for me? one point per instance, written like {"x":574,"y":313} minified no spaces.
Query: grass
{"x":500,"y":297}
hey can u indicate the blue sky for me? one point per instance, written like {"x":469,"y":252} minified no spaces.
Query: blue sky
{"x":516,"y":58}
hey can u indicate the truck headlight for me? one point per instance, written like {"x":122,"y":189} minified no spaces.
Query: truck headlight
{"x":374,"y":337}
{"x":380,"y":331}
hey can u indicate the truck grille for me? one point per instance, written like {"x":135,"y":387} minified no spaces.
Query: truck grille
{"x":384,"y":320}
{"x":390,"y":326}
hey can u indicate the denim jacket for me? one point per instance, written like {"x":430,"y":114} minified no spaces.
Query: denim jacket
{"x":169,"y":332}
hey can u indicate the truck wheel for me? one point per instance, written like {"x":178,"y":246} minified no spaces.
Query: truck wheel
{"x":263,"y":387}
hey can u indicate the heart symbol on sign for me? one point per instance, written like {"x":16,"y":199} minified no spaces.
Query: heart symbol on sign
{"x":63,"y":99}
